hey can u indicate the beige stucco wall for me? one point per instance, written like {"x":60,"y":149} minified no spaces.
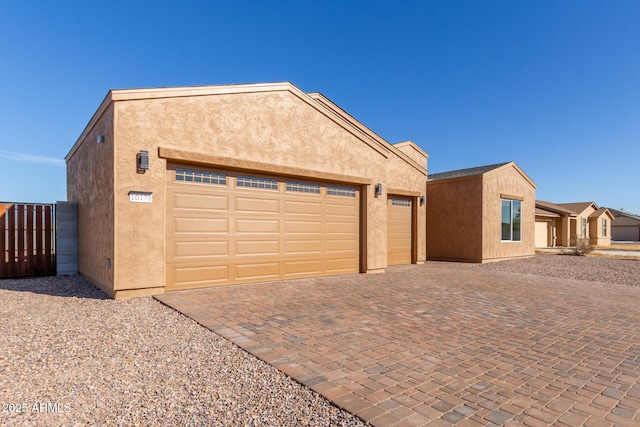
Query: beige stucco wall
{"x":508,"y":181}
{"x":584,"y":215}
{"x":454,"y":219}
{"x":90,"y":183}
{"x":280,"y":128}
{"x":596,"y":230}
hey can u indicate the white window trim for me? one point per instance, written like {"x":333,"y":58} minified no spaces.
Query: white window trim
{"x":511,"y":201}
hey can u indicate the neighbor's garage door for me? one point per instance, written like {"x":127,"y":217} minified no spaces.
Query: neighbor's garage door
{"x":542,"y":234}
{"x":227,"y":227}
{"x":399,"y":230}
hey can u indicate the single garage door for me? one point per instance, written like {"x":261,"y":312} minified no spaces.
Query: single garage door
{"x":542,"y":234}
{"x":227,"y":227}
{"x":399,"y":230}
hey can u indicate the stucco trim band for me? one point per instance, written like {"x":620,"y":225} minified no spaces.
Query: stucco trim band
{"x":511,"y":197}
{"x":400,"y":192}
{"x":241,"y":164}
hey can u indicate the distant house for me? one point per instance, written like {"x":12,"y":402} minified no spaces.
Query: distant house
{"x":626,"y":227}
{"x":590,"y":222}
{"x":480,"y":214}
{"x":552,"y":224}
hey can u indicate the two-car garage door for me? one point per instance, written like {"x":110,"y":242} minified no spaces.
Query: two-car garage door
{"x":227,"y":227}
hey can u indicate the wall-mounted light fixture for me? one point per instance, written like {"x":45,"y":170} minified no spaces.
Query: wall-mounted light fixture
{"x":142,"y":161}
{"x":378,"y":190}
{"x":100,"y":139}
{"x":422,"y":199}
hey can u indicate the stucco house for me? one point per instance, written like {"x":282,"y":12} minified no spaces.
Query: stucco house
{"x":188,"y":187}
{"x":480,"y":214}
{"x":626,"y":227}
{"x":552,"y":225}
{"x":590,"y":222}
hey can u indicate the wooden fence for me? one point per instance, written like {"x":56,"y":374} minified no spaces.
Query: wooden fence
{"x":27,"y":240}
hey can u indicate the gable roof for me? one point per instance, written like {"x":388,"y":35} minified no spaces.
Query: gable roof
{"x":618,"y":213}
{"x":544,"y":212}
{"x":578,"y":207}
{"x":599,"y":212}
{"x":459,"y":173}
{"x":552,"y":207}
{"x":477,"y":171}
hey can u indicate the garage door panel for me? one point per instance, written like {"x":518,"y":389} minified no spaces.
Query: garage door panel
{"x":235,"y":233}
{"x":257,"y":225}
{"x":258,"y":271}
{"x":259,"y":205}
{"x":303,"y":227}
{"x":303,"y":246}
{"x":304,"y":268}
{"x":207,"y":202}
{"x":201,"y":274}
{"x":192,"y":249}
{"x":201,"y":225}
{"x":342,"y":210}
{"x":302,"y":208}
{"x":342,"y":245}
{"x":342,"y":265}
{"x":257,"y":247}
{"x":343,"y":228}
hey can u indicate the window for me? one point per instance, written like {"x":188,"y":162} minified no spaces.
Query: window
{"x":584,"y":227}
{"x":401,"y":202}
{"x":604,"y":227}
{"x":303,"y":187}
{"x":256,"y":182}
{"x":511,"y":220}
{"x":333,"y":190}
{"x":189,"y":175}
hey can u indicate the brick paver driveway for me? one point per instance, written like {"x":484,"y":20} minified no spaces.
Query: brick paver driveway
{"x":443,"y":344}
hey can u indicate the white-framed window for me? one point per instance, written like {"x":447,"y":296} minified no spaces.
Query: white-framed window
{"x":584,"y":227}
{"x":256,"y":182}
{"x":204,"y":177}
{"x":604,"y":227}
{"x":511,"y":220}
{"x":303,"y":187}
{"x":401,"y":202}
{"x":334,"y":190}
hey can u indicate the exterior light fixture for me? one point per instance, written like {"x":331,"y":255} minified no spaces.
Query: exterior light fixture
{"x":422,"y":200}
{"x":100,"y":139}
{"x":142,"y":161}
{"x":378,"y":190}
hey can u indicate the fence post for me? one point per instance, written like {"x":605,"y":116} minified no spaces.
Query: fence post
{"x":66,"y":238}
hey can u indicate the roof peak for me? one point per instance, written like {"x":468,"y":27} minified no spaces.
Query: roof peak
{"x":458,"y":173}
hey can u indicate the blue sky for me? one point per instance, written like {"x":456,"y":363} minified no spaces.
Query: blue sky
{"x":552,"y":85}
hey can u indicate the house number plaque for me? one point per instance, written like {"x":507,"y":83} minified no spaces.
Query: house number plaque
{"x":140,"y":197}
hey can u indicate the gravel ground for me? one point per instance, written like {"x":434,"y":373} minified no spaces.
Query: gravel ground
{"x":596,"y":269}
{"x":71,"y":356}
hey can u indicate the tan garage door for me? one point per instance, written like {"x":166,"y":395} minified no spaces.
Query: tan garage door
{"x":226,"y":227}
{"x":542,"y":230}
{"x":399,"y":230}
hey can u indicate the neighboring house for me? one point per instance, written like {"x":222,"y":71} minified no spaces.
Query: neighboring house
{"x":626,"y":227}
{"x":480,"y":214}
{"x":552,"y":225}
{"x":188,"y":187}
{"x":590,"y":222}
